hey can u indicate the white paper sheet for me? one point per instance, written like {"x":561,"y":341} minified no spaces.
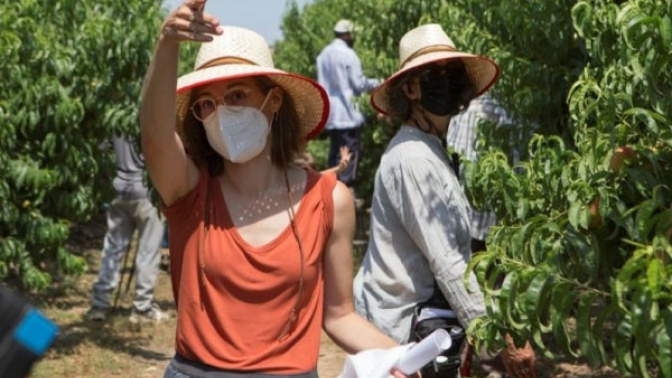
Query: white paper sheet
{"x":409,"y":358}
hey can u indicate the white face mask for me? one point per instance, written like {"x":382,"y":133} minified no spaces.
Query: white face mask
{"x":238,"y":133}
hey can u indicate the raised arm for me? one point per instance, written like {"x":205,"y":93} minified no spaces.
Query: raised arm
{"x":172,"y":173}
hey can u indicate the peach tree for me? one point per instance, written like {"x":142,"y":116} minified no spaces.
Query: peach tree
{"x":72,"y":73}
{"x":584,"y":219}
{"x":583,"y":238}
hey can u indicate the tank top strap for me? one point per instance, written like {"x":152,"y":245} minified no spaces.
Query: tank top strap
{"x":327,"y":185}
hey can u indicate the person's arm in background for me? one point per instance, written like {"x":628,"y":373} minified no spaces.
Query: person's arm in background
{"x":319,"y":64}
{"x":172,"y":172}
{"x":342,"y":164}
{"x":359,"y":83}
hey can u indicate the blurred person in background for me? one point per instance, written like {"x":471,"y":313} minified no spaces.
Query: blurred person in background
{"x":131,"y":210}
{"x":339,"y":71}
{"x":307,"y":161}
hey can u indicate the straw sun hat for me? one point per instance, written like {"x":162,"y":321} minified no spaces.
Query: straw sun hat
{"x":239,"y":53}
{"x":427,"y":44}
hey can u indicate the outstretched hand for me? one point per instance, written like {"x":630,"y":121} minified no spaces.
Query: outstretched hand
{"x":345,"y":156}
{"x":190,"y":23}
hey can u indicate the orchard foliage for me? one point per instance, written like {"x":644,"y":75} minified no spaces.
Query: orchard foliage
{"x":585,"y":223}
{"x":72,"y":73}
{"x":585,"y":215}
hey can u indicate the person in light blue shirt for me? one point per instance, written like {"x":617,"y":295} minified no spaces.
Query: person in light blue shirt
{"x":339,"y":71}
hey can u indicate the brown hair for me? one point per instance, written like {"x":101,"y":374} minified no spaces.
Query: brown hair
{"x":462,"y":93}
{"x":305,"y":160}
{"x":286,"y":137}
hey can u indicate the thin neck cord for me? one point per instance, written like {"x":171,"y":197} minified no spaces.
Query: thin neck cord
{"x":293,"y":315}
{"x":201,"y":246}
{"x":431,"y":129}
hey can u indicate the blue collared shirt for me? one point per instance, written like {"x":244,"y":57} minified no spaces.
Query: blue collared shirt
{"x":339,"y":71}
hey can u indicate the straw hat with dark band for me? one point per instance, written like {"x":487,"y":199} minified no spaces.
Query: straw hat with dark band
{"x":238,"y":53}
{"x":427,"y":44}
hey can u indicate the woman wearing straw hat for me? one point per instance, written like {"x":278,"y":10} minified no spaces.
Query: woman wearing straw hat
{"x":260,"y":250}
{"x":419,"y":244}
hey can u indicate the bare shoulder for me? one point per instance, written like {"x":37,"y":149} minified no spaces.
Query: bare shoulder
{"x":342,"y":196}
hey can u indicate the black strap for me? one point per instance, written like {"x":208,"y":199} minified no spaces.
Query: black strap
{"x":437,"y":300}
{"x":449,"y":364}
{"x":455,"y":163}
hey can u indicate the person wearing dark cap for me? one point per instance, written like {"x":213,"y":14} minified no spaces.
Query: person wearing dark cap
{"x":339,"y":71}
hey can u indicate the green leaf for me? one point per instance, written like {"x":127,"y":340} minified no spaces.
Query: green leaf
{"x":664,"y":342}
{"x":581,"y":15}
{"x":651,"y":118}
{"x":644,"y":220}
{"x":665,"y":28}
{"x":622,"y":344}
{"x":599,"y":327}
{"x":655,"y":275}
{"x":507,"y":299}
{"x":583,"y":330}
{"x":574,"y":214}
{"x":563,"y":299}
{"x":638,"y":24}
{"x":585,"y":217}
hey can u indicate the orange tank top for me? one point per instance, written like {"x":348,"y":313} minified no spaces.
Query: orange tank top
{"x":231,"y":318}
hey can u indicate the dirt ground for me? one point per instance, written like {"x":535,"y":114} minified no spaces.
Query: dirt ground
{"x":117,"y":348}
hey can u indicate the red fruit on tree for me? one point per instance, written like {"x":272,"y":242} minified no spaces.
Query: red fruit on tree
{"x":622,"y":155}
{"x":595,"y":217}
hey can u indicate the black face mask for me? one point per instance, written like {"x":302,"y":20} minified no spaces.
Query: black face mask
{"x":438,"y":95}
{"x":442,"y":88}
